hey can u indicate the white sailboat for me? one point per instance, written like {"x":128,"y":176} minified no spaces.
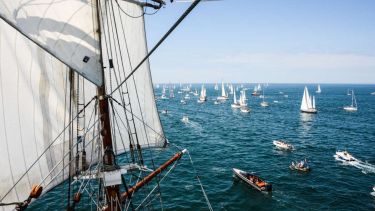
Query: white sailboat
{"x":65,"y":121}
{"x":243,"y":102}
{"x":224,"y":95}
{"x":318,"y":90}
{"x":195,"y":92}
{"x":164,"y":94}
{"x":264,"y":103}
{"x":203,"y":96}
{"x":235,"y":103}
{"x":216,"y":87}
{"x":353,"y":106}
{"x":308,"y":102}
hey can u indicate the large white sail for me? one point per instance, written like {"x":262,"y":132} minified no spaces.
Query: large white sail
{"x":67,"y":29}
{"x":223,"y":93}
{"x":305,"y":104}
{"x":35,"y":100}
{"x":131,"y":36}
{"x":34,"y":103}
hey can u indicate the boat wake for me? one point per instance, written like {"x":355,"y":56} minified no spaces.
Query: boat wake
{"x":364,"y":166}
{"x":195,"y":125}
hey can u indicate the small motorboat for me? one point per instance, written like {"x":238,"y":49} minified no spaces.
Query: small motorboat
{"x":345,"y":155}
{"x":264,"y":104}
{"x":301,"y":166}
{"x":164,"y":111}
{"x":253,"y":180}
{"x":283,"y":145}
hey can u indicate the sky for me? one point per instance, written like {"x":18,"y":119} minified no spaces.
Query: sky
{"x":274,"y":41}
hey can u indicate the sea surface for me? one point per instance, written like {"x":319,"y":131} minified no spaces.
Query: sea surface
{"x":220,"y":138}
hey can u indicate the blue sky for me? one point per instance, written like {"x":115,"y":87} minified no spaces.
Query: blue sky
{"x":275,"y":41}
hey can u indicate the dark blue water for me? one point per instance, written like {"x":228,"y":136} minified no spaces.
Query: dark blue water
{"x":220,"y":138}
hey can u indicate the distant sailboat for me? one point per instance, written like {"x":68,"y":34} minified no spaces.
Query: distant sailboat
{"x":235,"y":103}
{"x":308,"y":102}
{"x":195,"y":93}
{"x":163,"y":95}
{"x":353,"y":106}
{"x":203,"y":96}
{"x":244,"y":108}
{"x":256,"y":90}
{"x":224,"y":95}
{"x":264,"y":103}
{"x":216,"y":87}
{"x":318,"y":90}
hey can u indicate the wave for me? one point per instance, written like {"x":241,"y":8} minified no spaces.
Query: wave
{"x":364,"y":166}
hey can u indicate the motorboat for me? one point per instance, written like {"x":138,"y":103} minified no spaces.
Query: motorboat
{"x":283,"y":145}
{"x":264,"y":104}
{"x":301,"y":166}
{"x":345,"y":155}
{"x":253,"y":180}
{"x":164,"y":111}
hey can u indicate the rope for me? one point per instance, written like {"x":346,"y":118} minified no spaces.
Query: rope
{"x":200,"y":183}
{"x":174,"y":26}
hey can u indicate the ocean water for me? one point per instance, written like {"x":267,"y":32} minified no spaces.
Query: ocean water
{"x":220,"y":138}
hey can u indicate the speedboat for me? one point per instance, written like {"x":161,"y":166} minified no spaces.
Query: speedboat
{"x":345,"y":155}
{"x":283,"y":145}
{"x":253,"y":180}
{"x":301,"y":166}
{"x":245,"y":109}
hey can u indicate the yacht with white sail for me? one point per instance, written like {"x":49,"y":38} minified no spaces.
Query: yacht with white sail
{"x":318,"y":91}
{"x":353,"y":106}
{"x":224,"y":95}
{"x":203,"y":96}
{"x":264,"y":103}
{"x":243,"y":102}
{"x":308,"y":103}
{"x":235,"y":104}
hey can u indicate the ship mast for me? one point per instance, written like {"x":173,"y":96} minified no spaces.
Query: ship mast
{"x":111,"y":192}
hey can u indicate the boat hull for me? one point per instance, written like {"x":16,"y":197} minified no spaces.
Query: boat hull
{"x":310,"y":111}
{"x":240,"y":174}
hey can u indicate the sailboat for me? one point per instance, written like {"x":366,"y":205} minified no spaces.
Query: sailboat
{"x":256,"y":90}
{"x":264,"y":103}
{"x":235,"y":103}
{"x":353,"y":106}
{"x":224,"y":95}
{"x":203,"y":96}
{"x":308,"y":102}
{"x":164,"y":94}
{"x":216,"y":87}
{"x":243,"y":104}
{"x":318,"y":90}
{"x":65,"y":120}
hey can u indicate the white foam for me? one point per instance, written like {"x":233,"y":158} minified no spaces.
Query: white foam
{"x":364,"y":166}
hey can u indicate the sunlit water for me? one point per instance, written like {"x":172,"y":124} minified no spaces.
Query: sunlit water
{"x":220,"y":138}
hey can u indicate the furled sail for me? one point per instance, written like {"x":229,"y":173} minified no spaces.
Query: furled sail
{"x":66,"y":29}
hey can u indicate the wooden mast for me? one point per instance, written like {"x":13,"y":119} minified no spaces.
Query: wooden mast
{"x":112,"y":193}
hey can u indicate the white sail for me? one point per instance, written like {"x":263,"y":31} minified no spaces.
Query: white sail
{"x":223,"y":93}
{"x":67,"y":29}
{"x":313,"y":102}
{"x":131,"y":36}
{"x":34,"y":106}
{"x":234,"y":98}
{"x":34,"y":103}
{"x":305,"y":104}
{"x":318,"y":90}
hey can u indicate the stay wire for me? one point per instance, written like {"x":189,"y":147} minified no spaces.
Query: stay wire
{"x":174,"y":26}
